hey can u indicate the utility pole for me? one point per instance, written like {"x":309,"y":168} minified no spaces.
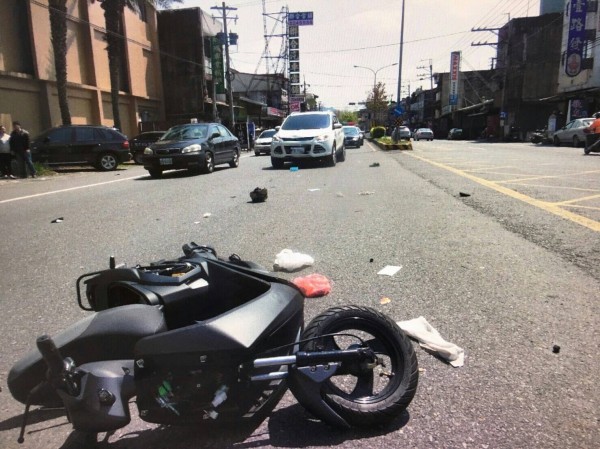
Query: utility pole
{"x":399,"y":93}
{"x":228,"y":76}
{"x":430,"y":76}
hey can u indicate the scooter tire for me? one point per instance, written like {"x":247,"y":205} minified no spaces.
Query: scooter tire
{"x":374,"y":408}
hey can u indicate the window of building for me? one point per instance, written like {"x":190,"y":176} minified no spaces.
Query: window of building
{"x":142,"y":11}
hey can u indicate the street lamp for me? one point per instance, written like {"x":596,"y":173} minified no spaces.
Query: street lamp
{"x":375,"y":71}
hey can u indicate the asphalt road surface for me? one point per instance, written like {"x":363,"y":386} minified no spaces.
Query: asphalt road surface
{"x":499,"y":248}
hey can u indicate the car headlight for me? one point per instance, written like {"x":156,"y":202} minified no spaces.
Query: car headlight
{"x":195,"y":148}
{"x":148,"y":151}
{"x":276,"y":138}
{"x":322,"y":137}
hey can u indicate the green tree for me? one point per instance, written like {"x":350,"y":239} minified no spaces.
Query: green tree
{"x":347,"y":116}
{"x":58,"y":37}
{"x":113,"y":18}
{"x":377,"y":104}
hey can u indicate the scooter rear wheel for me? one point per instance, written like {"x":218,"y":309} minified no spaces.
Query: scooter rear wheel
{"x":365,"y":397}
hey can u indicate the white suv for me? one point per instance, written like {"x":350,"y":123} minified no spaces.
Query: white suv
{"x":308,"y":135}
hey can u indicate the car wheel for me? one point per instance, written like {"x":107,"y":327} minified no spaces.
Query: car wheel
{"x":556,"y":141}
{"x":276,"y":163}
{"x":586,"y":150}
{"x":209,"y":166}
{"x":333,"y":158}
{"x":235,"y":162}
{"x":576,"y":141}
{"x":155,"y":173}
{"x":107,"y":162}
{"x":138,"y":158}
{"x":342,"y":156}
{"x":256,"y":153}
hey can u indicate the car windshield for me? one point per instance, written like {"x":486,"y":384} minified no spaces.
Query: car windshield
{"x":350,"y":131}
{"x":186,"y":132}
{"x":306,"y":121}
{"x":267,"y":133}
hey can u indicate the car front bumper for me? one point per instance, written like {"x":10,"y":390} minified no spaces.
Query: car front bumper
{"x":262,"y":148}
{"x":293,"y":150}
{"x":174,"y":161}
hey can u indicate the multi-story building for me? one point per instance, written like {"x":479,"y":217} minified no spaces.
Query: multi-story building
{"x":27,"y":74}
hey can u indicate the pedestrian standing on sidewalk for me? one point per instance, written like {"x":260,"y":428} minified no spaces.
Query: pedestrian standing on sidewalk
{"x":5,"y":156}
{"x":19,"y":144}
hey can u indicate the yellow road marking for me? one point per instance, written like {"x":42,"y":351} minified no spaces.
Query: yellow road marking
{"x":555,"y":187}
{"x":548,"y":207}
{"x":577,"y":206}
{"x":490,"y":168}
{"x":577,"y":200}
{"x":549,"y":176}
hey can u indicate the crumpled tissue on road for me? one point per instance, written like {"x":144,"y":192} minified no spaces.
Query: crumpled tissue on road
{"x":429,"y":338}
{"x":288,"y":260}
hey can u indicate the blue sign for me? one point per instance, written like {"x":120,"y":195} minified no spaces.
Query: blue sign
{"x":300,"y":18}
{"x":576,"y":40}
{"x":398,"y":111}
{"x":453,"y":100}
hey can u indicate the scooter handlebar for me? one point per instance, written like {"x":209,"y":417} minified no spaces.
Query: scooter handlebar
{"x":51,"y":355}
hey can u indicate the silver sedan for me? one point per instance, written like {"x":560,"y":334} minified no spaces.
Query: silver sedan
{"x":572,"y":133}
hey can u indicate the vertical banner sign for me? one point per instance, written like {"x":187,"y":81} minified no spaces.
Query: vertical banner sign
{"x":218,"y":73}
{"x":454,"y":71}
{"x":294,"y":21}
{"x":576,"y":39}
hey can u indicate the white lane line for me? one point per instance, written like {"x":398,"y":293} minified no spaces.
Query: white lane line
{"x":69,"y":189}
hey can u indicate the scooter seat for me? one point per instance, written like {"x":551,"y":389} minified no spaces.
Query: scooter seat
{"x":107,"y":335}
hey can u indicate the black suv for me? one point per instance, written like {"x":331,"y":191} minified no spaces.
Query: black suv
{"x":196,"y":147}
{"x":102,"y":147}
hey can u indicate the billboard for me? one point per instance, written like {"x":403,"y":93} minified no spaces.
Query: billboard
{"x":454,"y":73}
{"x":300,"y":18}
{"x":576,"y":38}
{"x":218,"y":72}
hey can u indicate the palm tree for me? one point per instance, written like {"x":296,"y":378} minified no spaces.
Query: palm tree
{"x":113,"y":15}
{"x":58,"y":36}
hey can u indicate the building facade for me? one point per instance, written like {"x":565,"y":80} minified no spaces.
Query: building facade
{"x":27,"y":74}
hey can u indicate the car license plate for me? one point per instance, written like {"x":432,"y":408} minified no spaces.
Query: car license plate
{"x":166,"y":161}
{"x":297,"y":150}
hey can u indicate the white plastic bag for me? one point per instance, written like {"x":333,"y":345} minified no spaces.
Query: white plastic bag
{"x":288,"y":260}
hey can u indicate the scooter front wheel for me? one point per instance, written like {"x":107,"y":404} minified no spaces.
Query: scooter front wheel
{"x":365,"y":396}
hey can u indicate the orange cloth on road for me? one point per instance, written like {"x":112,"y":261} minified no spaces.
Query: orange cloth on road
{"x":313,"y":285}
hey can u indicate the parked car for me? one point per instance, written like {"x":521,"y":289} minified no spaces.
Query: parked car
{"x":102,"y":147}
{"x":195,"y":146}
{"x":263,"y":142}
{"x":455,"y":134}
{"x":573,"y":133}
{"x":423,"y":133}
{"x":351,"y":137}
{"x":308,"y":135}
{"x":139,"y":143}
{"x":403,"y":133}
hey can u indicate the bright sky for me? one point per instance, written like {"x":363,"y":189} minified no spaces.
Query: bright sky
{"x":367,"y":33}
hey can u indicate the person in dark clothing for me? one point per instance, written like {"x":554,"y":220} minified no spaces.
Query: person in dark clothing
{"x":19,"y":145}
{"x":5,"y":156}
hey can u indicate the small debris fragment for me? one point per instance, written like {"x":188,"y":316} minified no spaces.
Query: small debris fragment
{"x":58,"y":220}
{"x":288,"y":260}
{"x":374,"y":164}
{"x":464,"y":194}
{"x":366,"y":193}
{"x":339,"y":194}
{"x":385,"y":300}
{"x":294,"y":168}
{"x":313,"y":190}
{"x":389,"y":270}
{"x":371,"y":260}
{"x":206,"y":215}
{"x":196,"y":222}
{"x":421,"y":370}
{"x":259,"y":195}
{"x":555,"y":349}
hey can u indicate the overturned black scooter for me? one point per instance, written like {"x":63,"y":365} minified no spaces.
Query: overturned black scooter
{"x":205,"y":341}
